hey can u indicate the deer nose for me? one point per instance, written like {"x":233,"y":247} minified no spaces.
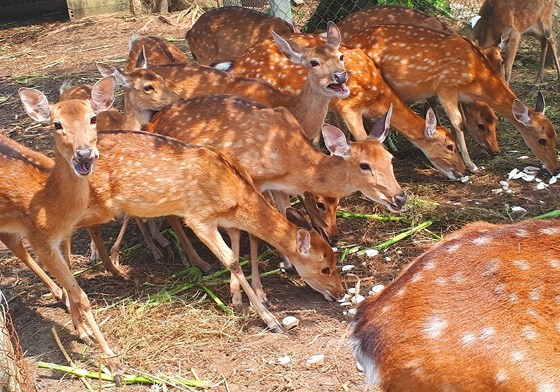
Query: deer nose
{"x":401,"y":199}
{"x":341,"y":77}
{"x":84,"y":156}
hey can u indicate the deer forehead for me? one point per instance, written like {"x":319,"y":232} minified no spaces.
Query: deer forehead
{"x":72,"y":110}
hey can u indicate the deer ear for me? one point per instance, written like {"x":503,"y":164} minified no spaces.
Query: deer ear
{"x":108,"y":70}
{"x":142,"y":60}
{"x":540,"y":105}
{"x":333,"y":35}
{"x":103,"y":94}
{"x":520,"y":112}
{"x":431,"y":124}
{"x":380,"y":129}
{"x":303,"y":238}
{"x":35,"y":104}
{"x":297,"y":218}
{"x":291,"y":50}
{"x":335,"y":141}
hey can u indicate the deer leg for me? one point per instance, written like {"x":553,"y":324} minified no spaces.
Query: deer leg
{"x":116,"y":248}
{"x":192,"y":255}
{"x":552,"y":43}
{"x":544,"y":50}
{"x":451,"y":107}
{"x":282,"y":201}
{"x":353,"y":122}
{"x":148,"y":239}
{"x":511,"y":51}
{"x":256,"y":283}
{"x":214,"y":241}
{"x":97,"y":240}
{"x":79,"y":303}
{"x":234,"y":284}
{"x":13,"y":243}
{"x":156,"y":234}
{"x":94,"y":256}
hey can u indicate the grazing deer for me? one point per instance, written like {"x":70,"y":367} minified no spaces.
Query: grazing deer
{"x":223,"y":34}
{"x":43,"y":201}
{"x":479,"y":119}
{"x":157,"y":50}
{"x":477,"y":312}
{"x":271,"y":145}
{"x":455,"y":70}
{"x":502,"y":22}
{"x":326,"y":78}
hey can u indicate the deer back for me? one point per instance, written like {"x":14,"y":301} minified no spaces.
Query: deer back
{"x":477,"y":312}
{"x":223,"y":34}
{"x":154,"y":50}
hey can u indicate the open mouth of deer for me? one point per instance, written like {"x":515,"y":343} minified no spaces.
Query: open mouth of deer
{"x":339,"y":89}
{"x":83,"y":167}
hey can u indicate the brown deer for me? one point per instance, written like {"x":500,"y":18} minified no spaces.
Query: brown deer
{"x":43,"y":201}
{"x":325,"y":70}
{"x":503,"y":21}
{"x":176,"y":180}
{"x":455,"y":70}
{"x":271,"y":145}
{"x":157,"y":50}
{"x":477,"y":312}
{"x":223,"y":34}
{"x":479,"y":119}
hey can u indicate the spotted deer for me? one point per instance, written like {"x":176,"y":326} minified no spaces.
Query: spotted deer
{"x":148,"y":175}
{"x":157,"y":50}
{"x":477,"y":312}
{"x":479,"y":119}
{"x":43,"y":201}
{"x":455,"y":71}
{"x":278,"y":156}
{"x":326,"y":78}
{"x":502,"y":22}
{"x":223,"y":34}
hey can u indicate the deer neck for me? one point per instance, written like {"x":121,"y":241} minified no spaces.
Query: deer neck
{"x":408,"y":123}
{"x":134,"y":117}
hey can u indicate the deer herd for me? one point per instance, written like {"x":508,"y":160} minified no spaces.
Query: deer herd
{"x":226,"y":147}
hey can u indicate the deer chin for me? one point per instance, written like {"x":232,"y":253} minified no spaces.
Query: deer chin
{"x":339,"y":90}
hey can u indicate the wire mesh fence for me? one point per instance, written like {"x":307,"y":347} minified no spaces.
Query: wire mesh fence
{"x":14,"y":375}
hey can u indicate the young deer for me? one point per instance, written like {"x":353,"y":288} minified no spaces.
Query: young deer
{"x":44,"y":201}
{"x":326,"y":79}
{"x":455,"y":70}
{"x":478,"y":312}
{"x":157,"y":50}
{"x":223,"y":34}
{"x":271,"y":145}
{"x":479,"y":119}
{"x":502,"y":22}
{"x":369,"y":95}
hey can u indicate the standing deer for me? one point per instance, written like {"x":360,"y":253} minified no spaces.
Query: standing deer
{"x":44,"y":204}
{"x":477,"y":312}
{"x":420,"y":63}
{"x":271,"y":145}
{"x":503,"y":21}
{"x":223,"y":34}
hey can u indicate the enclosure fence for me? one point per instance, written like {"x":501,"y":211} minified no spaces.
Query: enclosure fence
{"x":14,"y":375}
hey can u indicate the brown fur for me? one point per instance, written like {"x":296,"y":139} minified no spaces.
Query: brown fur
{"x":157,"y":51}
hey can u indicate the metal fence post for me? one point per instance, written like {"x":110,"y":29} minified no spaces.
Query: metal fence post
{"x":228,"y":3}
{"x":282,"y":9}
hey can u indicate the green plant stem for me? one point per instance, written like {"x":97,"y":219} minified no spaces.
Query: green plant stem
{"x":344,"y":214}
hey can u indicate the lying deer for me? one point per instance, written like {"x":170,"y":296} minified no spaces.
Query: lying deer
{"x":271,"y":145}
{"x":479,"y":119}
{"x":156,"y":49}
{"x":177,"y":178}
{"x":44,"y":203}
{"x":456,"y":70}
{"x":502,"y":22}
{"x":477,"y":312}
{"x":223,"y":34}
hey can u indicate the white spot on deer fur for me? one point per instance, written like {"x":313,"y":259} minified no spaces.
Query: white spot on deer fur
{"x":453,"y":247}
{"x":546,"y":387}
{"x":417,"y":277}
{"x":429,"y":265}
{"x":500,"y":288}
{"x":482,"y":241}
{"x":558,"y":299}
{"x":434,"y":327}
{"x":440,"y":280}
{"x":550,"y":231}
{"x":558,"y":326}
{"x":521,"y":264}
{"x":468,"y":339}
{"x":534,"y":295}
{"x":529,"y":332}
{"x":487,"y":332}
{"x":513,"y":297}
{"x":501,"y":377}
{"x":517,"y":356}
{"x":533,"y":313}
{"x":554,"y":263}
{"x":491,"y":267}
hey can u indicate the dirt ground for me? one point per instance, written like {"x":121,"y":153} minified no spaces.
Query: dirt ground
{"x":189,"y":336}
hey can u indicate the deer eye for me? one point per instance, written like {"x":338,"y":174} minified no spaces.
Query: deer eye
{"x":542,"y":141}
{"x":365,"y":166}
{"x":148,"y":87}
{"x":57,"y":125}
{"x":93,"y":120}
{"x":321,"y":206}
{"x":481,"y":127}
{"x":341,"y":57}
{"x":314,"y":63}
{"x":450,"y":147}
{"x":326,"y":271}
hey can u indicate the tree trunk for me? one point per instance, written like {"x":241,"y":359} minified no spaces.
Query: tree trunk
{"x":136,"y":7}
{"x":164,"y":7}
{"x":334,"y":10}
